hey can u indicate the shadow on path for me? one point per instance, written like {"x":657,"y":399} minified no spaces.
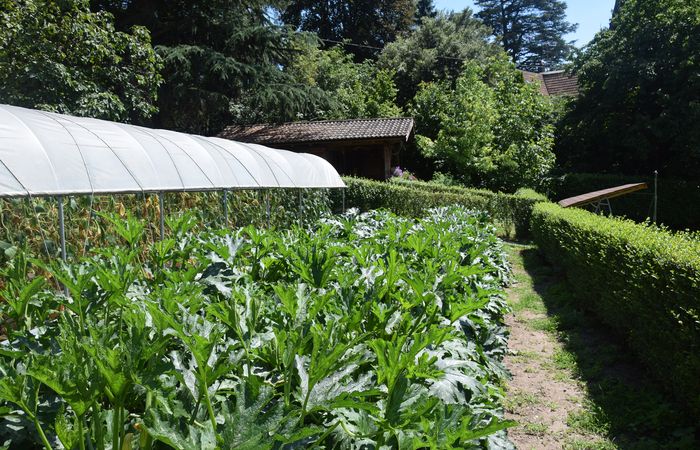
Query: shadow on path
{"x":626,"y":405}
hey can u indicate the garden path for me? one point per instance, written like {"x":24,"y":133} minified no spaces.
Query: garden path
{"x":543,"y":395}
{"x":574,"y":384}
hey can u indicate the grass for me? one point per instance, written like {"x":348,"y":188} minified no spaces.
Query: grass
{"x":549,"y":324}
{"x":535,"y":429}
{"x":577,"y":443}
{"x":591,"y":419}
{"x":529,"y":302}
{"x":623,"y":408}
{"x":519,"y":399}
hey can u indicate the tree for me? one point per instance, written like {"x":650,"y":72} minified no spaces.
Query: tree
{"x":436,"y":50}
{"x":639,"y":106}
{"x":425,"y":9}
{"x":368,"y":23}
{"x":531,"y":31}
{"x":357,"y":90}
{"x":492,"y":130}
{"x":221,"y":59}
{"x":59,"y":56}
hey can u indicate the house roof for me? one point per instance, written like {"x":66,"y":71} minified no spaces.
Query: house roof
{"x":554,"y":83}
{"x":560,"y":83}
{"x":321,"y":131}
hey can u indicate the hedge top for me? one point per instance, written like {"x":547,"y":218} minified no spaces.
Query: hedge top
{"x":642,"y":238}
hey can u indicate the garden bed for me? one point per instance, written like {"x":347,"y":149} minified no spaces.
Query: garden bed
{"x":363,"y":330}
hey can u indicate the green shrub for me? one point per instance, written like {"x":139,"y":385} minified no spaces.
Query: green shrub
{"x":677,"y":203}
{"x":412,"y":197}
{"x":532,"y":194}
{"x":402,"y":199}
{"x":640,"y":280}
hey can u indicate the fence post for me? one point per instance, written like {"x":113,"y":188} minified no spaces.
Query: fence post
{"x":62,"y":235}
{"x":61,"y":227}
{"x":656,"y":195}
{"x":225,"y":205}
{"x":301,"y":205}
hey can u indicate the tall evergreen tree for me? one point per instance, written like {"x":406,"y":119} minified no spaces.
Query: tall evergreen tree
{"x":531,"y":31}
{"x":221,"y":58}
{"x":371,"y":23}
{"x":425,"y":8}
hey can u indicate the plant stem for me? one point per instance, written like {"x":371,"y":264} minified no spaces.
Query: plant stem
{"x":210,"y":409}
{"x":40,"y":430}
{"x":196,"y":408}
{"x":35,"y":419}
{"x":115,"y":428}
{"x":81,"y":433}
{"x":89,"y":439}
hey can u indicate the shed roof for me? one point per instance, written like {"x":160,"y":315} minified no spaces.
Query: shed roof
{"x":44,"y":153}
{"x":553,"y":83}
{"x":560,"y":83}
{"x":321,"y":131}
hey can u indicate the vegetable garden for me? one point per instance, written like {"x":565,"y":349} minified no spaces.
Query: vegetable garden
{"x":359,"y":331}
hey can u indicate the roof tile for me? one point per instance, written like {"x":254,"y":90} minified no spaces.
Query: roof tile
{"x":320,"y":131}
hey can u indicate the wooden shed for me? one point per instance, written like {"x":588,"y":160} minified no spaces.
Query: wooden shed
{"x":368,"y":148}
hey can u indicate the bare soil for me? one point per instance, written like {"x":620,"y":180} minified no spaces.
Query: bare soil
{"x":540,"y":396}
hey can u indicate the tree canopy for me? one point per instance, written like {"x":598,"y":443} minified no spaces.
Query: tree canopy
{"x":492,"y":130}
{"x":370,"y":23}
{"x":424,"y":8}
{"x":531,"y":31}
{"x":357,"y":90}
{"x":436,"y":50}
{"x":59,"y":56}
{"x":639,"y":107}
{"x":220,"y":58}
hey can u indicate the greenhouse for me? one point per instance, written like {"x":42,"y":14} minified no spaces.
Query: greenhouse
{"x":47,"y":154}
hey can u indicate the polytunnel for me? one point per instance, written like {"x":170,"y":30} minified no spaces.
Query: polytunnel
{"x":44,"y":154}
{"x":48,"y":154}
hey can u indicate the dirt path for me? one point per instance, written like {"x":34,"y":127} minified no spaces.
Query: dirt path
{"x":575,"y":385}
{"x":544,"y":396}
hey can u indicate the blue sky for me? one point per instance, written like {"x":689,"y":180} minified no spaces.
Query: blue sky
{"x":591,"y":15}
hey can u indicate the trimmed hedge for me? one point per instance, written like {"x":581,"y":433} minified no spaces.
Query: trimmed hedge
{"x":640,"y":280}
{"x":412,"y":198}
{"x":679,"y":200}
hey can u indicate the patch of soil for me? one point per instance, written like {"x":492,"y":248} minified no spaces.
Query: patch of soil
{"x":538,"y":399}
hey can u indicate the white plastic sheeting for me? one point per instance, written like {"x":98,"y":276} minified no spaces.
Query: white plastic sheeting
{"x":45,"y":153}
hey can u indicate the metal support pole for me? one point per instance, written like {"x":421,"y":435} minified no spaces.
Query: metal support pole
{"x":656,"y":196}
{"x":301,"y":206}
{"x":61,"y":227}
{"x":343,"y":191}
{"x":62,"y":235}
{"x":161,"y":205}
{"x":267,"y":206}
{"x":225,"y":208}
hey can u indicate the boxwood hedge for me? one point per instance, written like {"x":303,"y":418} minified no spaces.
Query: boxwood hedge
{"x":412,"y":198}
{"x":640,"y":280}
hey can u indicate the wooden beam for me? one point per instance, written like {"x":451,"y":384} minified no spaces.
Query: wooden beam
{"x":592,"y":197}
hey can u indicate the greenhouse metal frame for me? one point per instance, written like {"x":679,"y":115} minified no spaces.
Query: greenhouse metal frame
{"x":44,"y":154}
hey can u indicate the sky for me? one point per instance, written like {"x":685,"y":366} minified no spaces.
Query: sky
{"x":591,"y":15}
